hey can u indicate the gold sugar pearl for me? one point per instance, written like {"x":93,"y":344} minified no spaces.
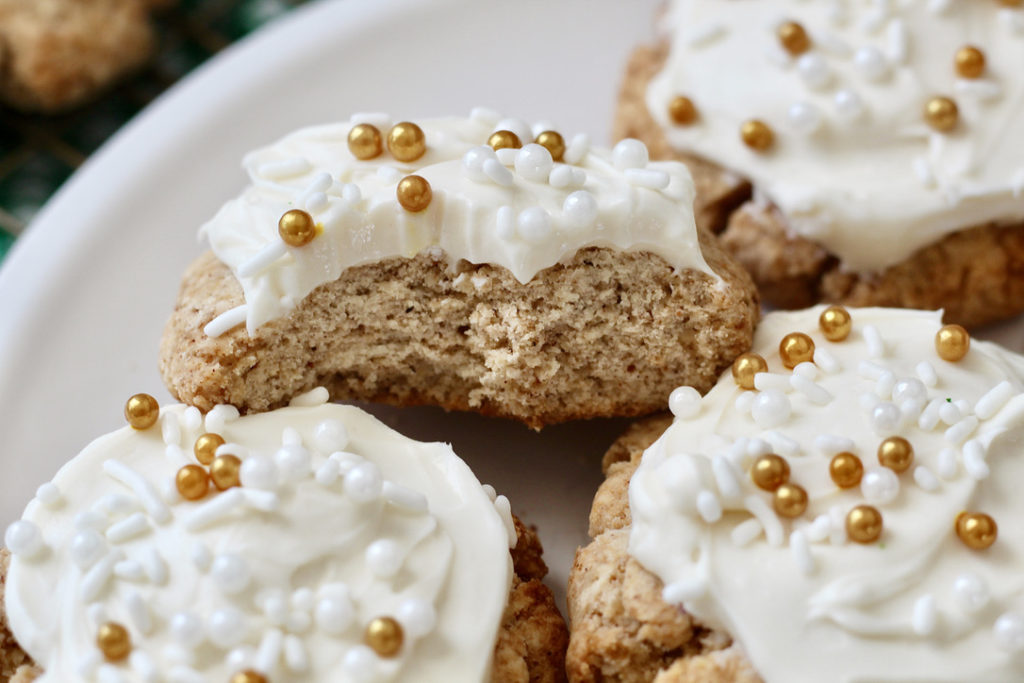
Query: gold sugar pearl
{"x":249,"y":676}
{"x":835,"y":323}
{"x":206,"y":447}
{"x":113,"y":641}
{"x":141,"y":411}
{"x":952,"y":342}
{"x":745,"y":367}
{"x":864,"y":524}
{"x":769,"y":472}
{"x":794,"y":38}
{"x":504,"y":139}
{"x":682,"y":110}
{"x":406,"y":141}
{"x":969,"y":62}
{"x":896,"y":453}
{"x":193,"y":482}
{"x":224,"y":471}
{"x":941,"y":113}
{"x":553,"y":142}
{"x":796,"y":348}
{"x":976,"y":529}
{"x":384,"y":636}
{"x":297,"y":228}
{"x":790,"y":500}
{"x":414,"y":193}
{"x":846,"y":470}
{"x":365,"y":142}
{"x":1011,"y":3}
{"x":757,"y":135}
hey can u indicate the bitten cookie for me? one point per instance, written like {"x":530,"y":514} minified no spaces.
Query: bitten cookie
{"x":445,"y":263}
{"x":311,"y":543}
{"x":858,"y":154}
{"x":848,"y":517}
{"x":55,"y":54}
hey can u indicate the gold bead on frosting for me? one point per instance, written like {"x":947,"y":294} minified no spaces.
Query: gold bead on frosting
{"x":757,"y":135}
{"x":552,"y":141}
{"x":1011,"y":3}
{"x":141,"y":411}
{"x":224,"y":471}
{"x":406,"y":141}
{"x":414,"y":193}
{"x":952,"y":342}
{"x":113,"y":641}
{"x":365,"y":142}
{"x":941,"y":113}
{"x":896,"y":453}
{"x":970,"y":62}
{"x":796,"y":348}
{"x":835,"y":323}
{"x":769,"y":472}
{"x":745,"y":367}
{"x":682,"y":110}
{"x":976,"y":529}
{"x":297,"y":228}
{"x":192,"y":481}
{"x":846,"y":470}
{"x":504,"y":139}
{"x":248,"y":676}
{"x":790,"y":500}
{"x":864,"y":524}
{"x":794,"y":38}
{"x":206,"y":447}
{"x":384,"y":636}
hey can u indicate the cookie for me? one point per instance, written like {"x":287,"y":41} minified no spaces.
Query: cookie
{"x":56,"y":54}
{"x":522,"y":287}
{"x":847,"y":519}
{"x":880,"y":166}
{"x":314,"y":543}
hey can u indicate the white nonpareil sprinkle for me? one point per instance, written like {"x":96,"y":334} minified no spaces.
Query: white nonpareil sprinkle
{"x":678,"y":592}
{"x":771,"y":408}
{"x":24,"y":539}
{"x":974,"y":460}
{"x":745,"y":532}
{"x":931,"y":415}
{"x":506,"y":156}
{"x":314,"y":397}
{"x":263,"y":259}
{"x":1008,"y":632}
{"x":139,"y":612}
{"x":316,"y":202}
{"x":295,"y":656}
{"x":961,"y":430}
{"x":870,"y":370}
{"x":885,"y":418}
{"x":684,"y":402}
{"x":708,"y":506}
{"x":383,"y":558}
{"x":417,"y":616}
{"x":897,"y":42}
{"x":800,"y":549}
{"x":87,"y":547}
{"x":925,"y":479}
{"x":971,"y":593}
{"x":824,"y":359}
{"x":727,"y":477}
{"x":910,"y":389}
{"x":949,"y":413}
{"x":154,"y":566}
{"x":388,"y":174}
{"x":926,"y":373}
{"x":804,"y":118}
{"x":497,"y":172}
{"x":504,"y":509}
{"x":170,"y":428}
{"x":117,"y":505}
{"x":871,"y":63}
{"x":220,"y":415}
{"x":351,"y":193}
{"x":231,"y":573}
{"x":269,"y":651}
{"x":880,"y":485}
{"x":744,"y":402}
{"x":144,"y":666}
{"x":285,"y":168}
{"x":849,"y":105}
{"x":96,"y":578}
{"x":830,"y":444}
{"x":649,"y":178}
{"x":129,"y":570}
{"x":226,"y":320}
{"x":814,"y":70}
{"x":925,"y":617}
{"x":630,"y":153}
{"x":130,"y":527}
{"x":521,"y":128}
{"x":837,"y":525}
{"x":812,"y":390}
{"x":577,"y":148}
{"x":947,"y":464}
{"x":404,"y":497}
{"x":818,"y":530}
{"x":484,"y":115}
{"x":48,"y":494}
{"x":773,"y":530}
{"x":326,"y":474}
{"x":763,"y":381}
{"x":534,"y":225}
{"x":873,"y":338}
{"x":580,"y":209}
{"x":758,"y":447}
{"x":806,"y":370}
{"x":781,"y":444}
{"x":168,"y":488}
{"x":505,"y":223}
{"x":533,"y":162}
{"x":981,"y":88}
{"x":885,"y":384}
{"x":267,"y":501}
{"x":141,"y":487}
{"x":215,"y":510}
{"x":993,"y":400}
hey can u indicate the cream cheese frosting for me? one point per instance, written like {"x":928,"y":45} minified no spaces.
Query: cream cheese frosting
{"x":854,"y":166}
{"x":517,"y":208}
{"x":339,"y":520}
{"x":805,"y":602}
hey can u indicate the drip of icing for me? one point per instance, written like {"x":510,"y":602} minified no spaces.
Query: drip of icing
{"x":339,"y":520}
{"x":516,"y":209}
{"x":854,"y":166}
{"x":805,"y":603}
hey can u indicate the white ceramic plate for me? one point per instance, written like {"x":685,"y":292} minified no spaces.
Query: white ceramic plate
{"x":86,"y":291}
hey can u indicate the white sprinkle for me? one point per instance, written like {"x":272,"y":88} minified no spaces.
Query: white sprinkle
{"x":328,"y":472}
{"x":170,"y":428}
{"x":1012,"y":20}
{"x":708,"y":506}
{"x":521,"y":128}
{"x":925,"y":615}
{"x":684,"y":402}
{"x":316,"y":202}
{"x":506,"y":156}
{"x":727,"y":477}
{"x":833,"y":44}
{"x":818,"y":530}
{"x":646,"y":177}
{"x":993,"y":400}
{"x":837,"y":525}
{"x":484,"y":115}
{"x":154,"y":566}
{"x":91,"y":519}
{"x":88,"y":663}
{"x":383,"y":558}
{"x":758,"y":447}
{"x":351,"y":193}
{"x":849,"y":105}
{"x":505,"y":225}
{"x":269,"y":651}
{"x":285,"y":168}
{"x":473,"y":162}
{"x":875,"y":19}
{"x":910,"y":409}
{"x":923,"y":170}
{"x":389,"y":174}
{"x":763,"y":381}
{"x":143,"y":665}
{"x":496,"y":171}
{"x":871,"y":63}
{"x":939,"y":6}
{"x":885,"y":385}
{"x":404,"y":497}
{"x":947,"y":464}
{"x":1009,"y":632}
{"x":489,"y":490}
{"x":873,"y":338}
{"x":87,"y":547}
{"x":534,"y":225}
{"x":868,"y":401}
{"x":24,"y":539}
{"x":814,"y":70}
{"x":504,"y":509}
{"x":141,"y":487}
{"x":267,"y":501}
{"x":830,"y":444}
{"x":97,"y":613}
{"x":97,"y":577}
{"x":781,"y":444}
{"x":577,"y":149}
{"x":806,"y":370}
{"x":139,"y":613}
{"x":561,"y":176}
{"x":925,"y":479}
{"x":869,"y":370}
{"x":48,"y":494}
{"x":930,"y":416}
{"x":191,"y":419}
{"x":580,"y":209}
{"x":334,"y":613}
{"x":226,"y":320}
{"x":290,"y":437}
{"x":129,"y":570}
{"x":128,"y":528}
{"x":312,"y":398}
{"x":745,"y":532}
{"x":705,"y":34}
{"x":773,"y":531}
{"x":880,"y":485}
{"x":812,"y":390}
{"x":745,"y":401}
{"x":169,"y":489}
{"x":964,"y":406}
{"x":826,"y":361}
{"x":214,"y":510}
{"x":961,"y":430}
{"x":974,"y":460}
{"x":981,"y":88}
{"x":231,"y":573}
{"x":970,"y":592}
{"x":630,"y":153}
{"x":295,"y":654}
{"x":220,"y":415}
{"x":533,"y":162}
{"x":691,"y":588}
{"x":897,"y":41}
{"x":800,"y":549}
{"x":117,"y":504}
{"x":885,"y":418}
{"x":263,"y":259}
{"x":298,"y":622}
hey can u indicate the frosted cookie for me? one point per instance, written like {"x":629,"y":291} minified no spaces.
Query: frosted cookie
{"x":311,"y":543}
{"x":854,"y":152}
{"x":849,"y":519}
{"x":446,"y":262}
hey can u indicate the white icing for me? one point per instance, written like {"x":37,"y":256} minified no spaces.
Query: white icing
{"x":283,"y":580}
{"x":805,"y":603}
{"x":524,"y":213}
{"x":854,"y":166}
